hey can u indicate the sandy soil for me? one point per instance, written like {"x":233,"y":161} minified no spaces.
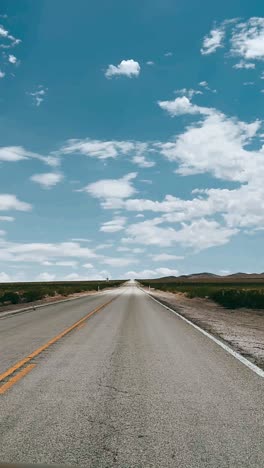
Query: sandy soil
{"x":46,"y":300}
{"x":243,"y":329}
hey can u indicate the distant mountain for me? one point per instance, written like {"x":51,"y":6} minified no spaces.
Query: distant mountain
{"x":211,"y":277}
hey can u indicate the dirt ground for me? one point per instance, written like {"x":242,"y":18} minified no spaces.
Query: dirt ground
{"x":243,"y":329}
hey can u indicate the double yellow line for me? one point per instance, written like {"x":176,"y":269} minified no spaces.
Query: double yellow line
{"x":12,"y":376}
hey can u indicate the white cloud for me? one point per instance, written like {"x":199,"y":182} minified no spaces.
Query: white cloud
{"x":13,"y":153}
{"x":7,"y":40}
{"x":199,"y":234}
{"x":147,"y":274}
{"x":12,"y":59}
{"x":136,"y":250}
{"x":243,"y":64}
{"x":167,"y":271}
{"x":115,"y":225}
{"x":168,"y":54}
{"x":3,"y":32}
{"x":141,"y":161}
{"x":80,"y":239}
{"x":7,"y":218}
{"x":150,"y":62}
{"x":127,"y":68}
{"x":183,"y":105}
{"x":66,"y":263}
{"x":188,"y":92}
{"x":104,"y":246}
{"x":98,"y":149}
{"x":207,"y":146}
{"x":118,"y":262}
{"x":2,"y":74}
{"x":43,"y":252}
{"x":10,"y":202}
{"x":18,"y":153}
{"x":45,"y":277}
{"x":4,"y":277}
{"x":165,"y":257}
{"x":247,"y":39}
{"x":38,"y":95}
{"x":112,"y":188}
{"x":213,"y":41}
{"x":87,"y":265}
{"x":47,"y":180}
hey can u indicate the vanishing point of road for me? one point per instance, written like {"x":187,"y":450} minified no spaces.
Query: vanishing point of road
{"x":125,"y":385}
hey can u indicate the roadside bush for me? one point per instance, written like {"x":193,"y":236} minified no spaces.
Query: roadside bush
{"x":33,"y":295}
{"x":10,"y":297}
{"x":231,"y":296}
{"x":234,"y":298}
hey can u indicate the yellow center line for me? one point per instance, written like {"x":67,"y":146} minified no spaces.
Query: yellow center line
{"x":16,"y":378}
{"x":35,"y":353}
{"x":81,"y":325}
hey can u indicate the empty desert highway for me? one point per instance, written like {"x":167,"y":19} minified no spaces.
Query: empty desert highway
{"x":131,"y":386}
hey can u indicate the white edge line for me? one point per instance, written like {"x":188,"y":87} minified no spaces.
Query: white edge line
{"x":229,"y":350}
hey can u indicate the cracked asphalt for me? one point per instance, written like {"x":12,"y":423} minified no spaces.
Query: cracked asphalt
{"x":134,"y":387}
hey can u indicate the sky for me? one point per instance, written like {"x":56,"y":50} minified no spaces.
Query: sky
{"x":131,"y":138}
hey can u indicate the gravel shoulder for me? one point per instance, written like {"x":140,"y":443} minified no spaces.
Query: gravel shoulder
{"x":243,"y":329}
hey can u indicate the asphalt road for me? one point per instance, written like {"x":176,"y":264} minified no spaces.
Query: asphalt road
{"x":133,"y":386}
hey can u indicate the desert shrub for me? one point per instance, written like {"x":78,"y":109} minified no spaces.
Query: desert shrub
{"x":33,"y":295}
{"x":234,"y":298}
{"x":10,"y":296}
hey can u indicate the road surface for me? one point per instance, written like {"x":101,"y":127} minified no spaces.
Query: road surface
{"x":131,"y":386}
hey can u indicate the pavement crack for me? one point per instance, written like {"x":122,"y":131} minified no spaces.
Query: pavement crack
{"x":118,"y":390}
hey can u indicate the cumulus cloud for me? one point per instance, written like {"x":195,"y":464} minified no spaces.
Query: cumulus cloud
{"x":66,"y":263}
{"x":188,"y":92}
{"x":37,"y":252}
{"x":7,"y":218}
{"x":2,"y":74}
{"x":112,"y":188}
{"x":88,"y":266}
{"x":4,"y":277}
{"x":247,"y":39}
{"x":141,"y":161}
{"x":97,"y":148}
{"x":165,"y":257}
{"x":118,"y":262}
{"x":19,"y":153}
{"x":156,"y":273}
{"x":183,"y":105}
{"x":243,"y":64}
{"x":115,"y":225}
{"x":47,"y":180}
{"x":207,"y":146}
{"x":12,"y":59}
{"x":199,"y":234}
{"x":213,"y":41}
{"x":129,"y":68}
{"x":11,"y":202}
{"x":46,"y":277}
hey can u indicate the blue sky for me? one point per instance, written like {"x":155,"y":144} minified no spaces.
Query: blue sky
{"x":131,"y":138}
